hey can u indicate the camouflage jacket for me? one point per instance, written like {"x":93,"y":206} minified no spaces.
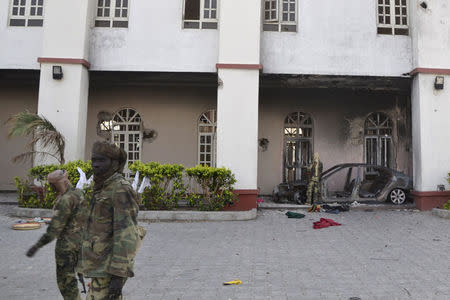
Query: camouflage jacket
{"x":315,"y":170}
{"x":111,"y":238}
{"x":67,"y":221}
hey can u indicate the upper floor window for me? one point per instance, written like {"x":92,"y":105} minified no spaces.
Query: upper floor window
{"x":112,"y":13}
{"x":26,"y":13}
{"x":280,"y":15}
{"x":392,"y":17}
{"x":200,"y":14}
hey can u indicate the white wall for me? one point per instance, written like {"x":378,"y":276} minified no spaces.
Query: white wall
{"x":155,"y":41}
{"x":431,"y":35}
{"x":19,"y":46}
{"x":338,"y":38}
{"x":332,"y":38}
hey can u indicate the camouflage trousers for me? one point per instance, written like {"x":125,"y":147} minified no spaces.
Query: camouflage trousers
{"x":66,"y":261}
{"x":312,"y":193}
{"x":99,"y":288}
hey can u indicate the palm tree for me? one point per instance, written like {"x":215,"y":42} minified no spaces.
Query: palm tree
{"x":42,"y":132}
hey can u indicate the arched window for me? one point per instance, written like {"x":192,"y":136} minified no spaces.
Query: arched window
{"x":126,"y":133}
{"x":378,"y":139}
{"x":298,"y":146}
{"x":207,"y":128}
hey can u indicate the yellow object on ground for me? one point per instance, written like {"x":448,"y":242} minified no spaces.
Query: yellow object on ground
{"x":236,"y":281}
{"x":26,"y":226}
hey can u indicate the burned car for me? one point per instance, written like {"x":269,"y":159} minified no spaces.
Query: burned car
{"x":352,"y":182}
{"x":362,"y":182}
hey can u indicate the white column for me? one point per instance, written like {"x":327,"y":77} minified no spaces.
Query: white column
{"x":237,"y":94}
{"x":430,"y":107}
{"x":65,"y":43}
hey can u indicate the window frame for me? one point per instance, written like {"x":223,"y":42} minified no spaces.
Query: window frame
{"x":110,"y":127}
{"x":378,"y":139}
{"x":392,"y":28}
{"x":27,"y":20}
{"x":295,"y":125}
{"x":202,"y":22}
{"x":112,"y":21}
{"x":277,"y":24}
{"x":213,"y":143}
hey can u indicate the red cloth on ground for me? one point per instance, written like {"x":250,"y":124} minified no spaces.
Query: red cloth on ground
{"x":323,"y":223}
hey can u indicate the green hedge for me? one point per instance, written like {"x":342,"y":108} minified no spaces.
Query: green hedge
{"x":201,"y":187}
{"x":43,"y":196}
{"x":168,"y":186}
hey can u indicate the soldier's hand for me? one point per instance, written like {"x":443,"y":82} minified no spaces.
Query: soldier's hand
{"x":32,"y":251}
{"x":115,"y":287}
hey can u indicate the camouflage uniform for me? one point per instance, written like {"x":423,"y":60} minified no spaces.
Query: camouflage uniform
{"x":112,"y":237}
{"x":312,"y":193}
{"x":66,"y":225}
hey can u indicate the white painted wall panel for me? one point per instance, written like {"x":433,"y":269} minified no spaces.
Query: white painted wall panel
{"x":19,"y":46}
{"x":337,"y":38}
{"x":154,"y":41}
{"x":332,"y":38}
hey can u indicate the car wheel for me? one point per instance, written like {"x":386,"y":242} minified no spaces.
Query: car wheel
{"x":397,"y":196}
{"x":298,"y":197}
{"x":275,"y":197}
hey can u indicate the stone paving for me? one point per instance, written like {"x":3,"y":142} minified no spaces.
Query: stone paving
{"x":377,"y":254}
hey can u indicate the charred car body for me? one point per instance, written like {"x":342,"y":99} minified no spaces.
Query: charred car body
{"x":353,"y":182}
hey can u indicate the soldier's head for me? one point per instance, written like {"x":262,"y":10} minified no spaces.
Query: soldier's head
{"x":316,"y":157}
{"x":107,"y":159}
{"x":59,"y":179}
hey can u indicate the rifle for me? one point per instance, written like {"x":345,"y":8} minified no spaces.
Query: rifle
{"x":81,"y":279}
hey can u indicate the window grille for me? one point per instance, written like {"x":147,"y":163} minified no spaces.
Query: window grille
{"x":200,"y":14}
{"x":378,"y":140}
{"x":26,"y":13}
{"x":298,"y":146}
{"x":112,"y":13}
{"x":126,"y":133}
{"x":207,"y":127}
{"x":392,"y":17}
{"x":280,"y":15}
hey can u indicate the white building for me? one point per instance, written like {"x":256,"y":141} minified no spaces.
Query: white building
{"x":256,"y":86}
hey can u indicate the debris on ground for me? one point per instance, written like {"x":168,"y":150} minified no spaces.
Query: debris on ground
{"x":233,"y":282}
{"x":323,"y":223}
{"x":291,"y":214}
{"x":314,"y":208}
{"x":355,"y":203}
{"x":26,"y":226}
{"x":335,"y":208}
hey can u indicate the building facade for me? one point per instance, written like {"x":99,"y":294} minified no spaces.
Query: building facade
{"x":255,"y":86}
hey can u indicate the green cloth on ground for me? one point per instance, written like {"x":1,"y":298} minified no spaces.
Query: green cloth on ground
{"x":295,"y":215}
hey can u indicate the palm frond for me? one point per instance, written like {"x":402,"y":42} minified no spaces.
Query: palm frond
{"x":23,"y":123}
{"x":21,"y":158}
{"x":42,"y":133}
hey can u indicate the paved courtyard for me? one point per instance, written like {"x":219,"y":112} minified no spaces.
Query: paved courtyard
{"x":375,"y":254}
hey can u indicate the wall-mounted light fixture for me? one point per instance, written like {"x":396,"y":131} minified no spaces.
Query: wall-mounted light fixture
{"x":439,"y":82}
{"x":57,"y":72}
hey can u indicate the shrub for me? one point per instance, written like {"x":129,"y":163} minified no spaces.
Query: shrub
{"x":43,"y":196}
{"x":217,"y":187}
{"x":167,"y":186}
{"x":447,"y":205}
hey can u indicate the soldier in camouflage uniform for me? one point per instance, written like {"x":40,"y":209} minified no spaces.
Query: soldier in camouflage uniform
{"x":112,"y":235}
{"x":315,"y":170}
{"x":66,"y":225}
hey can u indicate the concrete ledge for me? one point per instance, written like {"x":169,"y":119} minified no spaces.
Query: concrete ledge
{"x":33,"y":212}
{"x":442,"y":213}
{"x":159,"y":215}
{"x":170,"y":215}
